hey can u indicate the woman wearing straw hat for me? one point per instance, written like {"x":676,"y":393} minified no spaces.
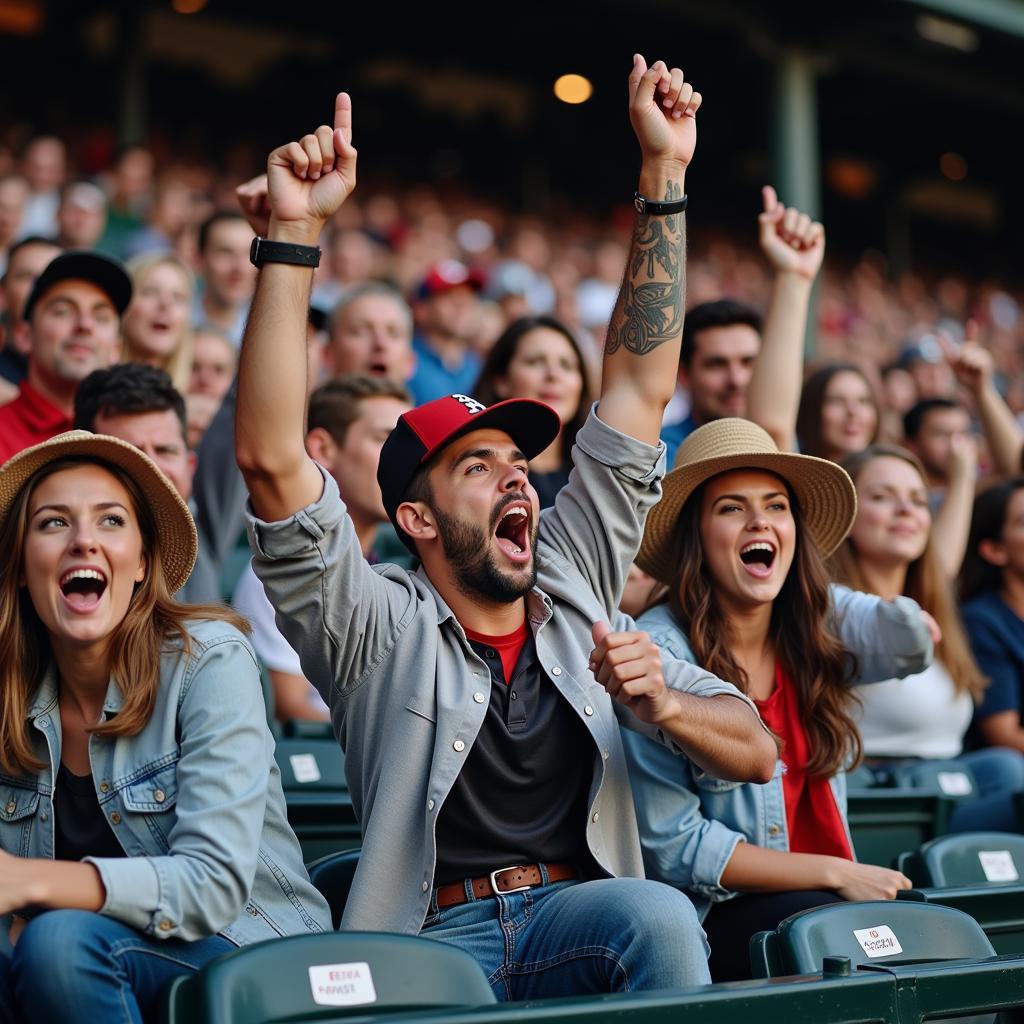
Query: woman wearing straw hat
{"x":142,"y":822}
{"x":738,"y":541}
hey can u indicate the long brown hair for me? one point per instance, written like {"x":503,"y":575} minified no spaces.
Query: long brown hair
{"x":926,"y":581}
{"x":152,"y":623}
{"x":812,"y":401}
{"x":810,"y":653}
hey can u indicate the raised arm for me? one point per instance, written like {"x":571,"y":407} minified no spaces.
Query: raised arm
{"x":795,"y":247}
{"x":952,"y":525}
{"x":307,"y":182}
{"x":641,"y":354}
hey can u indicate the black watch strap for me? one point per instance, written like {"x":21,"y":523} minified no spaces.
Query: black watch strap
{"x":263,"y":251}
{"x":658,"y":208}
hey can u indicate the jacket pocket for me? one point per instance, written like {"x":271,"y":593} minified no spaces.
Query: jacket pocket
{"x":18,"y":806}
{"x":149,"y":805}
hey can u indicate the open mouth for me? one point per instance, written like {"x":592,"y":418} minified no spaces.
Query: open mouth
{"x":82,"y":588}
{"x":758,"y":557}
{"x":512,"y":532}
{"x":378,"y":369}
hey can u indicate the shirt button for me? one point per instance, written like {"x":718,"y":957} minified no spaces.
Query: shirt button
{"x":44,"y":720}
{"x":159,"y":796}
{"x":489,"y":653}
{"x":115,"y":819}
{"x":478,"y":697}
{"x":604,"y":754}
{"x":104,"y":787}
{"x":44,"y":816}
{"x":430,"y":805}
{"x":459,"y":746}
{"x":166,"y":926}
{"x":556,"y":671}
{"x":11,"y":807}
{"x":774,"y":830}
{"x":594,"y":816}
{"x":424,"y":886}
{"x":588,"y":710}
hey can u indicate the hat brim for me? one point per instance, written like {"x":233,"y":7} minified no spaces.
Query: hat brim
{"x":823,"y":490}
{"x":175,"y":529}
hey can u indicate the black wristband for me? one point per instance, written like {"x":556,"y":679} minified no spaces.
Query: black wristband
{"x":658,"y":208}
{"x":263,"y":251}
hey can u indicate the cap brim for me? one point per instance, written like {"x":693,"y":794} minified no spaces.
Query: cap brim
{"x":823,"y":490}
{"x":175,"y":530}
{"x":532,"y":425}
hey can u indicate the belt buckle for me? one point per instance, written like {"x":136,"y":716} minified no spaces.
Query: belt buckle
{"x":504,"y":892}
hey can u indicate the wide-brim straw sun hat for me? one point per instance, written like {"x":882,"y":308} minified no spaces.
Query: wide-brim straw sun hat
{"x":176,"y":532}
{"x":823,"y":490}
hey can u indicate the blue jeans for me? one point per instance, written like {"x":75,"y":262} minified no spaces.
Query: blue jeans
{"x":999,"y":772}
{"x":579,"y":938}
{"x":77,"y":966}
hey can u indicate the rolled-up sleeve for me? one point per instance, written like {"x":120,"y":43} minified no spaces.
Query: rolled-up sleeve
{"x":203,"y":882}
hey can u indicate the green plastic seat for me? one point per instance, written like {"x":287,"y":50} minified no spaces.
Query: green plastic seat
{"x":999,"y":909}
{"x":950,"y":778}
{"x":885,"y":822}
{"x":869,"y":933}
{"x":333,"y":875}
{"x":968,"y":858}
{"x":328,"y":977}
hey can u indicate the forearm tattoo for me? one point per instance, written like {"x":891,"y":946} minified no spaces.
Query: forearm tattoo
{"x":649,"y":311}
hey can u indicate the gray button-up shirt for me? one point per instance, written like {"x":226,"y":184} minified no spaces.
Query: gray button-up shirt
{"x":393,"y":663}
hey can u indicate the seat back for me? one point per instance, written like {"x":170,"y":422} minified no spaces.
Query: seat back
{"x":871,"y":932}
{"x":968,"y":858}
{"x":885,"y":822}
{"x":952,"y":779}
{"x":333,"y":875}
{"x":335,"y":974}
{"x":310,"y":765}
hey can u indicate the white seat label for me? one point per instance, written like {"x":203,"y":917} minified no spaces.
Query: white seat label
{"x":998,"y":865}
{"x":304,"y":767}
{"x":955,"y":783}
{"x":878,"y":941}
{"x":342,"y":984}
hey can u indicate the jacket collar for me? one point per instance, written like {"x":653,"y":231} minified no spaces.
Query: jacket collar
{"x":45,"y":698}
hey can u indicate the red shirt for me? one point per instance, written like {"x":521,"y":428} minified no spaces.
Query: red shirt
{"x":509,"y":647}
{"x":27,"y":420}
{"x":812,"y":816}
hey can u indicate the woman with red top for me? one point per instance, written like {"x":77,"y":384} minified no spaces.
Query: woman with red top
{"x":738,"y":541}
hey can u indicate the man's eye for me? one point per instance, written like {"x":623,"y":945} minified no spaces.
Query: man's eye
{"x":478,"y":466}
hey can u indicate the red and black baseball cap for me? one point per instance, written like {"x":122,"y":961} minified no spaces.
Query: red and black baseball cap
{"x":422,"y":432}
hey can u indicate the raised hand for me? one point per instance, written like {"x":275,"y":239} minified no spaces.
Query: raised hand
{"x":792,"y":242}
{"x":308,"y":180}
{"x":254,"y":199}
{"x":971,"y":363}
{"x":628,"y":666}
{"x":663,"y":111}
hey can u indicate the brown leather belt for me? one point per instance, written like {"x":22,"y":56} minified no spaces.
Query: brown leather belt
{"x":504,"y":880}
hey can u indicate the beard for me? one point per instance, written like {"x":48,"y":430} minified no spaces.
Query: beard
{"x":468,"y":550}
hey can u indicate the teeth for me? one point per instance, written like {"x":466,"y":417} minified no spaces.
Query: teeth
{"x":517,"y":511}
{"x":756,"y":546}
{"x":82,"y":574}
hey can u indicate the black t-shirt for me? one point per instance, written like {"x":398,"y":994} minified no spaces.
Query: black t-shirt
{"x":521,"y":796}
{"x":79,"y":826}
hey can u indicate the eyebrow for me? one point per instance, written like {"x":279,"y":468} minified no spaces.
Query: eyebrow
{"x":99,"y":507}
{"x":744,"y":497}
{"x":486,"y":453}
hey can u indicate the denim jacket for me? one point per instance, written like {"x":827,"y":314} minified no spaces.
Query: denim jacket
{"x":194,"y":799}
{"x":690,"y":821}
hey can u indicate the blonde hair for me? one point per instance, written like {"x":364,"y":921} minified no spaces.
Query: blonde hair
{"x":178,"y":365}
{"x":926,"y":582}
{"x":152,"y":623}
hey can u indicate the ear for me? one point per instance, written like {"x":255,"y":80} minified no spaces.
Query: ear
{"x":321,"y":447}
{"x":417,"y":520}
{"x":140,"y":574}
{"x":993,"y":552}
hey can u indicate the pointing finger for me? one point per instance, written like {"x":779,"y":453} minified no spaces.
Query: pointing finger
{"x":343,"y":115}
{"x":638,"y":72}
{"x":770,"y":198}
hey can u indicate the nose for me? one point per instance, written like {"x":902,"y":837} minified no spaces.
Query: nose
{"x":515,"y":479}
{"x":82,"y":538}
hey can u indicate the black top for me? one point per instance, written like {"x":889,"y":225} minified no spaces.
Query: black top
{"x":13,"y":365}
{"x":547,"y":485}
{"x":521,"y":796}
{"x":79,"y":826}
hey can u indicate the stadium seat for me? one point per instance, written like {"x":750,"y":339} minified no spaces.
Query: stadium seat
{"x":969,"y":858}
{"x":328,"y":977}
{"x":869,"y":933}
{"x":885,"y":822}
{"x":951,"y":778}
{"x":332,"y":875}
{"x":999,"y":909}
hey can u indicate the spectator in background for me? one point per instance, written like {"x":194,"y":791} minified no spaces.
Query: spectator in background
{"x":370,"y":331}
{"x":992,"y":591}
{"x":214,"y":361}
{"x":227,"y":277}
{"x":26,"y":260}
{"x":13,"y":196}
{"x":44,"y":167}
{"x":595,"y":297}
{"x":71,"y":326}
{"x":169,"y":220}
{"x":81,"y":216}
{"x":156,"y":328}
{"x":351,"y":259}
{"x":131,"y":187}
{"x":924,"y":361}
{"x":838,"y":413}
{"x":140,"y":405}
{"x":936,"y":430}
{"x":348,"y":422}
{"x":537,"y":357}
{"x":447,"y":315}
{"x":891,"y":551}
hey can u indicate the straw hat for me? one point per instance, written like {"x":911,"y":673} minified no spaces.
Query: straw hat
{"x":175,"y":530}
{"x":824,"y":491}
